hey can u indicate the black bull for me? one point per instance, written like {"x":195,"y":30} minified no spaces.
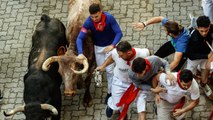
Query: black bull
{"x":42,"y":95}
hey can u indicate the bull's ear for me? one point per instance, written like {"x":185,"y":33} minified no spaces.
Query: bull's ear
{"x":45,"y":18}
{"x":61,"y":50}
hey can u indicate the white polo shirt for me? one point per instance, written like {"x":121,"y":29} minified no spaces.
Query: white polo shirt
{"x":175,"y":93}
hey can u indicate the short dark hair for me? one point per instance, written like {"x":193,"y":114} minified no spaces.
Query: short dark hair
{"x":173,"y":27}
{"x":94,"y":8}
{"x":123,"y":46}
{"x":203,"y":21}
{"x":138,"y":65}
{"x":186,"y":76}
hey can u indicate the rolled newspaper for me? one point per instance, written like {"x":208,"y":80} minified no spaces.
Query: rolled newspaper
{"x":211,"y":65}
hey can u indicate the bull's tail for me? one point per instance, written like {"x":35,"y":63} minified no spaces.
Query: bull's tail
{"x":45,"y":18}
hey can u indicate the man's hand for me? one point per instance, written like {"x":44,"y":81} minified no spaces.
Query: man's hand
{"x":138,"y":26}
{"x":108,"y":48}
{"x":80,"y":58}
{"x":158,"y":89}
{"x":100,"y":68}
{"x":157,"y":98}
{"x":210,"y":55}
{"x":171,"y":78}
{"x":178,"y":112}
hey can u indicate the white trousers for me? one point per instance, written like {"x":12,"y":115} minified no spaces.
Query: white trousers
{"x":208,"y":8}
{"x":164,"y":110}
{"x":100,"y":58}
{"x":141,"y":100}
{"x":118,"y":89}
{"x":194,"y":64}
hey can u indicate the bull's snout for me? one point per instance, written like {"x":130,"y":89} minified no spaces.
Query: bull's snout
{"x":70,"y":92}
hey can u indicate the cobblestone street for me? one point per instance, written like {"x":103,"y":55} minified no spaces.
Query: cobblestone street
{"x":18,"y":17}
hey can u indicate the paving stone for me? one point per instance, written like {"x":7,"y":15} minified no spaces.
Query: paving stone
{"x":86,"y":117}
{"x":8,"y":9}
{"x":78,"y":113}
{"x":196,"y":116}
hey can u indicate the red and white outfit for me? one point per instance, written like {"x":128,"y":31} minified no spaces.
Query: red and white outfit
{"x":121,"y":80}
{"x":173,"y":95}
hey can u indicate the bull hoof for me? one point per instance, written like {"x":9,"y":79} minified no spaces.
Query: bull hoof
{"x":87,"y":102}
{"x":79,"y":85}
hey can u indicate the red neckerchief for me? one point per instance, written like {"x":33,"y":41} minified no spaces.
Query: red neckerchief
{"x":99,"y":26}
{"x":178,"y":80}
{"x":182,"y":101}
{"x":148,"y":65}
{"x":127,"y":99}
{"x":133,"y":54}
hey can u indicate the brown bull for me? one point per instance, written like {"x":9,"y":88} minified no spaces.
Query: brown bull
{"x":78,"y":12}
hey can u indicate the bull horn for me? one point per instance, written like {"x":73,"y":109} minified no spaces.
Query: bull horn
{"x":86,"y":66}
{"x":50,"y":108}
{"x":47,"y":62}
{"x":15,"y":110}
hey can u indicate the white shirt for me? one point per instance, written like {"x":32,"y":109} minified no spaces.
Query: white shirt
{"x":121,"y":67}
{"x":175,"y":93}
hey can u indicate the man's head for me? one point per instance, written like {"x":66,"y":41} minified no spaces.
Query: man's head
{"x":172,"y":28}
{"x":139,"y":66}
{"x":203,"y":25}
{"x":95,"y":12}
{"x":186,"y":78}
{"x":124,"y":50}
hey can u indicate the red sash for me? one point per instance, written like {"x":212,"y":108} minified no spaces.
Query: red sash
{"x":127,"y":99}
{"x":180,"y":104}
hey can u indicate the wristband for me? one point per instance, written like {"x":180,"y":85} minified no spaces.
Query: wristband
{"x":113,"y":46}
{"x":144,"y":24}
